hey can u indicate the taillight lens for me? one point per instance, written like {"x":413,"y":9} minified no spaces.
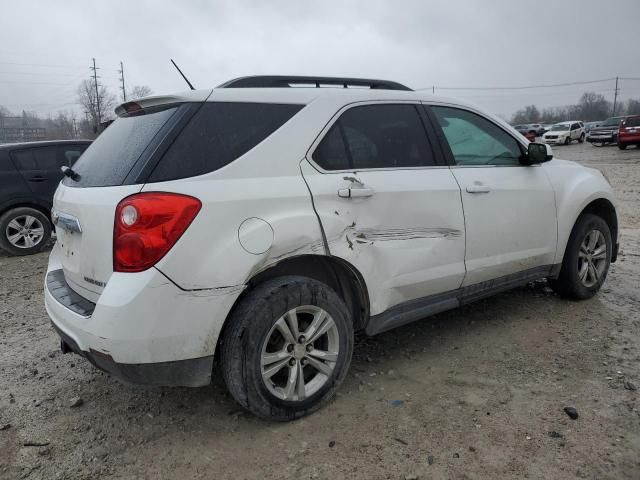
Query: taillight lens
{"x":147,"y":225}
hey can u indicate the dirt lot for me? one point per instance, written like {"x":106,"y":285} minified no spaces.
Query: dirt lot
{"x":477,"y":392}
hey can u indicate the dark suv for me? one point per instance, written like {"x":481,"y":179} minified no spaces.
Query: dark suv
{"x":29,"y":175}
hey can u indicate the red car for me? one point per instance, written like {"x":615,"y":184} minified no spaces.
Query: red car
{"x":629,"y":132}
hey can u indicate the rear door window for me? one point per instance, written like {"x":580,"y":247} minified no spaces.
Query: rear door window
{"x":376,"y":136}
{"x":219,"y":133}
{"x":111,"y":157}
{"x":24,"y":159}
{"x":46,"y":158}
{"x":632,"y":122}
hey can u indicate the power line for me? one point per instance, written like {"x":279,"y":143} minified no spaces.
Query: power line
{"x":31,"y":83}
{"x":42,"y":74}
{"x":40,"y":65}
{"x":526,"y":87}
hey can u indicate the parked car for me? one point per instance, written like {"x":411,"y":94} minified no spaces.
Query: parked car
{"x":590,"y":125}
{"x":29,"y":175}
{"x":537,"y":128}
{"x":629,"y":132}
{"x":534,"y":128}
{"x":545,"y":128}
{"x":270,"y":223}
{"x":565,"y":133}
{"x":605,"y":133}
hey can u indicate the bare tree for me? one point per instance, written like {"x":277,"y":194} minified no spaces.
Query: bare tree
{"x":633,"y":107}
{"x":528,"y":114}
{"x":87,"y":98}
{"x":592,"y":106}
{"x":62,"y":126}
{"x":139,"y":91}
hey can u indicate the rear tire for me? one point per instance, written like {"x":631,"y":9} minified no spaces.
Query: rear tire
{"x":622,"y":146}
{"x":278,"y":361}
{"x":586,"y":259}
{"x":24,"y":231}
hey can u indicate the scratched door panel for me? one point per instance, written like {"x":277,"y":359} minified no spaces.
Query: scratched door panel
{"x":406,"y":239}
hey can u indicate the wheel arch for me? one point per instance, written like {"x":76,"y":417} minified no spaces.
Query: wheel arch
{"x":605,"y":210}
{"x":338,"y":274}
{"x":41,"y":207}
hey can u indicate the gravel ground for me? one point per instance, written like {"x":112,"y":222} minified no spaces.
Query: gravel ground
{"x":477,"y":392}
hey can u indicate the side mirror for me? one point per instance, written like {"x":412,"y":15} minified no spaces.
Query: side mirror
{"x":538,"y":153}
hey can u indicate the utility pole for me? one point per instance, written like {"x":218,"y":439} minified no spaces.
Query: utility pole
{"x":95,"y":84}
{"x":433,"y":90}
{"x":615,"y":98}
{"x":124,"y":91}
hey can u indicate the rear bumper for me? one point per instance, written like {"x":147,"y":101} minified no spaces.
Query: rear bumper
{"x":143,"y":328}
{"x":195,"y":372}
{"x":629,"y":138}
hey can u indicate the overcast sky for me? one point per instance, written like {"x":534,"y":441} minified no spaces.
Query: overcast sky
{"x":46,"y":46}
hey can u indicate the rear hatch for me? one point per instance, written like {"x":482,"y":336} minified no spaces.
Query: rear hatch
{"x":111,"y":169}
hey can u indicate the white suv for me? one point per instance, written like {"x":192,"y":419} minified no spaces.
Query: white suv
{"x":565,"y":133}
{"x":268,"y":223}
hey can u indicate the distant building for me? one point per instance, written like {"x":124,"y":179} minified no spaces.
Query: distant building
{"x":13,"y":129}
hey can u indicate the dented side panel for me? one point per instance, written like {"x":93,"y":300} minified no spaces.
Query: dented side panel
{"x":406,"y":239}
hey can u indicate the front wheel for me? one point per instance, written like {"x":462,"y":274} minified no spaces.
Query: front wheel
{"x":581,"y":139}
{"x":586,"y":259}
{"x":287,"y":348}
{"x":567,"y":140}
{"x":24,"y":231}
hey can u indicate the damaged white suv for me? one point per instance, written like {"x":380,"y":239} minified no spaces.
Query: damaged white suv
{"x":270,"y":218}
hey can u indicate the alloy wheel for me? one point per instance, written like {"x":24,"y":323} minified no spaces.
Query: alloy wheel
{"x":299,"y":353}
{"x":592,"y":258}
{"x":24,"y":231}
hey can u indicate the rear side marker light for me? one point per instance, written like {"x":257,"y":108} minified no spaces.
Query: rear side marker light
{"x":147,"y":226}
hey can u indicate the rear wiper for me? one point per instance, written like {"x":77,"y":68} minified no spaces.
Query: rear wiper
{"x":68,"y":172}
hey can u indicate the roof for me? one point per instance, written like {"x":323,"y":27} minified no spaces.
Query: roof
{"x":45,"y":143}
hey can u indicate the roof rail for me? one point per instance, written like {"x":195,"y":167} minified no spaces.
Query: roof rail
{"x":284,"y":81}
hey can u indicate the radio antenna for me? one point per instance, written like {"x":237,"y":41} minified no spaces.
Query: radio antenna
{"x":183,"y":75}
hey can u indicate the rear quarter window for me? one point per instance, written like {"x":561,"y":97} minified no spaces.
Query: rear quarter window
{"x":219,"y":133}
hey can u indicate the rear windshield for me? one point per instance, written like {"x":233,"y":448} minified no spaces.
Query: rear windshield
{"x":113,"y":154}
{"x":219,"y":133}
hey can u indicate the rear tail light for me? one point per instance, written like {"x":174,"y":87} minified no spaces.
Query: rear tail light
{"x":147,"y":225}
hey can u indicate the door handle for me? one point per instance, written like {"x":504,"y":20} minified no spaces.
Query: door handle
{"x":478,"y":189}
{"x":355,"y":192}
{"x":37,"y":178}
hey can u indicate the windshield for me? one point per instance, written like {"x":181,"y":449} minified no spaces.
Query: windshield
{"x":559,"y":128}
{"x":612,"y":122}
